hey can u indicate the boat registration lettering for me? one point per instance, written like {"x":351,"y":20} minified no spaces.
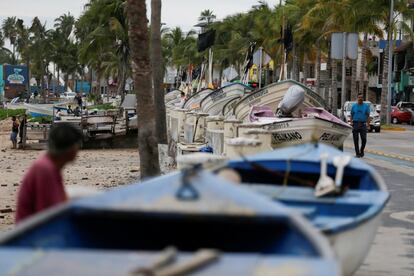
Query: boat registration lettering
{"x":278,"y":138}
{"x":254,"y":98}
{"x":330,"y":137}
{"x":278,"y":126}
{"x":215,"y":96}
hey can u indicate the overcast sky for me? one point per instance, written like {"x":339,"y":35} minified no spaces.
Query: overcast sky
{"x":183,"y":13}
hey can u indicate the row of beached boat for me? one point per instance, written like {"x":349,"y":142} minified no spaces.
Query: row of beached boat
{"x":281,"y":114}
{"x":305,"y":209}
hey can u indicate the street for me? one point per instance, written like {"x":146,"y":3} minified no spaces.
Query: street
{"x":392,"y":154}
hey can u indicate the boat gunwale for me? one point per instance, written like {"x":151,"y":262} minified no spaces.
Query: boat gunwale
{"x":222,"y":89}
{"x":313,"y":93}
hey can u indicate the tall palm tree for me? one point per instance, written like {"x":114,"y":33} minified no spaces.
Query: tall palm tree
{"x":104,"y":27}
{"x":207,"y":16}
{"x":10,"y":32}
{"x":157,"y":72}
{"x":64,"y":53}
{"x":5,"y":54}
{"x":40,"y":51}
{"x":139,"y":41}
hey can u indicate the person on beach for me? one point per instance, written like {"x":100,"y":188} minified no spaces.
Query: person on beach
{"x":78,"y":99}
{"x":14,"y":132}
{"x":42,"y":186}
{"x":23,"y":122}
{"x":360,"y":122}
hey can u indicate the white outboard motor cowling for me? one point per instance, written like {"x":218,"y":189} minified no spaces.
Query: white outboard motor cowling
{"x":293,"y":99}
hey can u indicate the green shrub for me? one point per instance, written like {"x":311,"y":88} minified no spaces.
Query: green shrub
{"x":106,"y":106}
{"x":41,"y":120}
{"x":6,"y":113}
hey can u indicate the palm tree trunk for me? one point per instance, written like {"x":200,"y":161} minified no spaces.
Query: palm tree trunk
{"x":66,"y":79}
{"x":121,"y":82}
{"x":305,"y":69}
{"x":328,"y":77}
{"x":384,"y":90}
{"x":141,"y":65}
{"x":157,"y":72}
{"x":295,"y":64}
{"x":29,"y":77}
{"x":363,"y":69}
{"x":334,"y":87}
{"x":354,"y":91}
{"x":318,"y":69}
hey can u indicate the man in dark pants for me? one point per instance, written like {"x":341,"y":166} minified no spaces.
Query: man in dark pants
{"x":360,"y":122}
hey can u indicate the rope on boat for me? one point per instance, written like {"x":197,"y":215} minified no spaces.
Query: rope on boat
{"x":286,"y":176}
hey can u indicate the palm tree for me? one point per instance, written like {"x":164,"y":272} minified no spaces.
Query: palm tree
{"x":10,"y":32}
{"x":40,"y":51}
{"x":64,"y":53}
{"x":103,"y":27}
{"x":157,"y":71}
{"x":5,"y":54}
{"x":139,"y":41}
{"x":207,"y":16}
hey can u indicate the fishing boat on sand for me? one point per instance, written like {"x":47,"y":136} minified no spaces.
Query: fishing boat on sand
{"x":342,"y":196}
{"x":185,"y":223}
{"x":293,"y":122}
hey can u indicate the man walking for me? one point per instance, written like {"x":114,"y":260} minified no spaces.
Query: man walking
{"x":360,"y":122}
{"x":42,"y":186}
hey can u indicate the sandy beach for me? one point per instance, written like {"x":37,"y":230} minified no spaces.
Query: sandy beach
{"x":100,"y":169}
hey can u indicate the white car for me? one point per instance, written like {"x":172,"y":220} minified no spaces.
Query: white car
{"x":69,"y":95}
{"x":375,"y":117}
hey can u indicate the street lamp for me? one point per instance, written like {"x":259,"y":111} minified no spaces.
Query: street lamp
{"x":390,"y":48}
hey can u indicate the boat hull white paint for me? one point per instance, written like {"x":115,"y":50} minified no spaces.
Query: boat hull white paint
{"x":352,"y":246}
{"x":39,"y":109}
{"x":298,"y":131}
{"x":214,"y":102}
{"x":271,"y":96}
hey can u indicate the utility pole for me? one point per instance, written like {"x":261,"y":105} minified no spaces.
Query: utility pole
{"x":390,"y":69}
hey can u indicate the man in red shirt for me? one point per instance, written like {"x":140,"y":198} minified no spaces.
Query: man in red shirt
{"x":42,"y":186}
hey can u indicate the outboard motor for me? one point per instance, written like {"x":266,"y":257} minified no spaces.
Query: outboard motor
{"x":292,"y":100}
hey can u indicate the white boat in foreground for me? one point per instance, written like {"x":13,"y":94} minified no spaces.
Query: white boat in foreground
{"x":349,"y":218}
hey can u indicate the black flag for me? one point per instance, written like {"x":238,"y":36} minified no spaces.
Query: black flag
{"x":206,"y":40}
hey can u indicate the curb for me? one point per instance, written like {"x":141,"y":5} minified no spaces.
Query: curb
{"x":394,"y":129}
{"x":389,"y":155}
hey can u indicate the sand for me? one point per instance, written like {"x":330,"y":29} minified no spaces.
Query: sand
{"x":100,"y":169}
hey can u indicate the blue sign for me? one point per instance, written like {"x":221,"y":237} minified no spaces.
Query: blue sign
{"x":16,"y":74}
{"x":82,"y":86}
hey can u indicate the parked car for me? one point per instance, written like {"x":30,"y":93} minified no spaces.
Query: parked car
{"x":375,"y":118}
{"x":69,"y":95}
{"x":408,"y":106}
{"x":399,"y":116}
